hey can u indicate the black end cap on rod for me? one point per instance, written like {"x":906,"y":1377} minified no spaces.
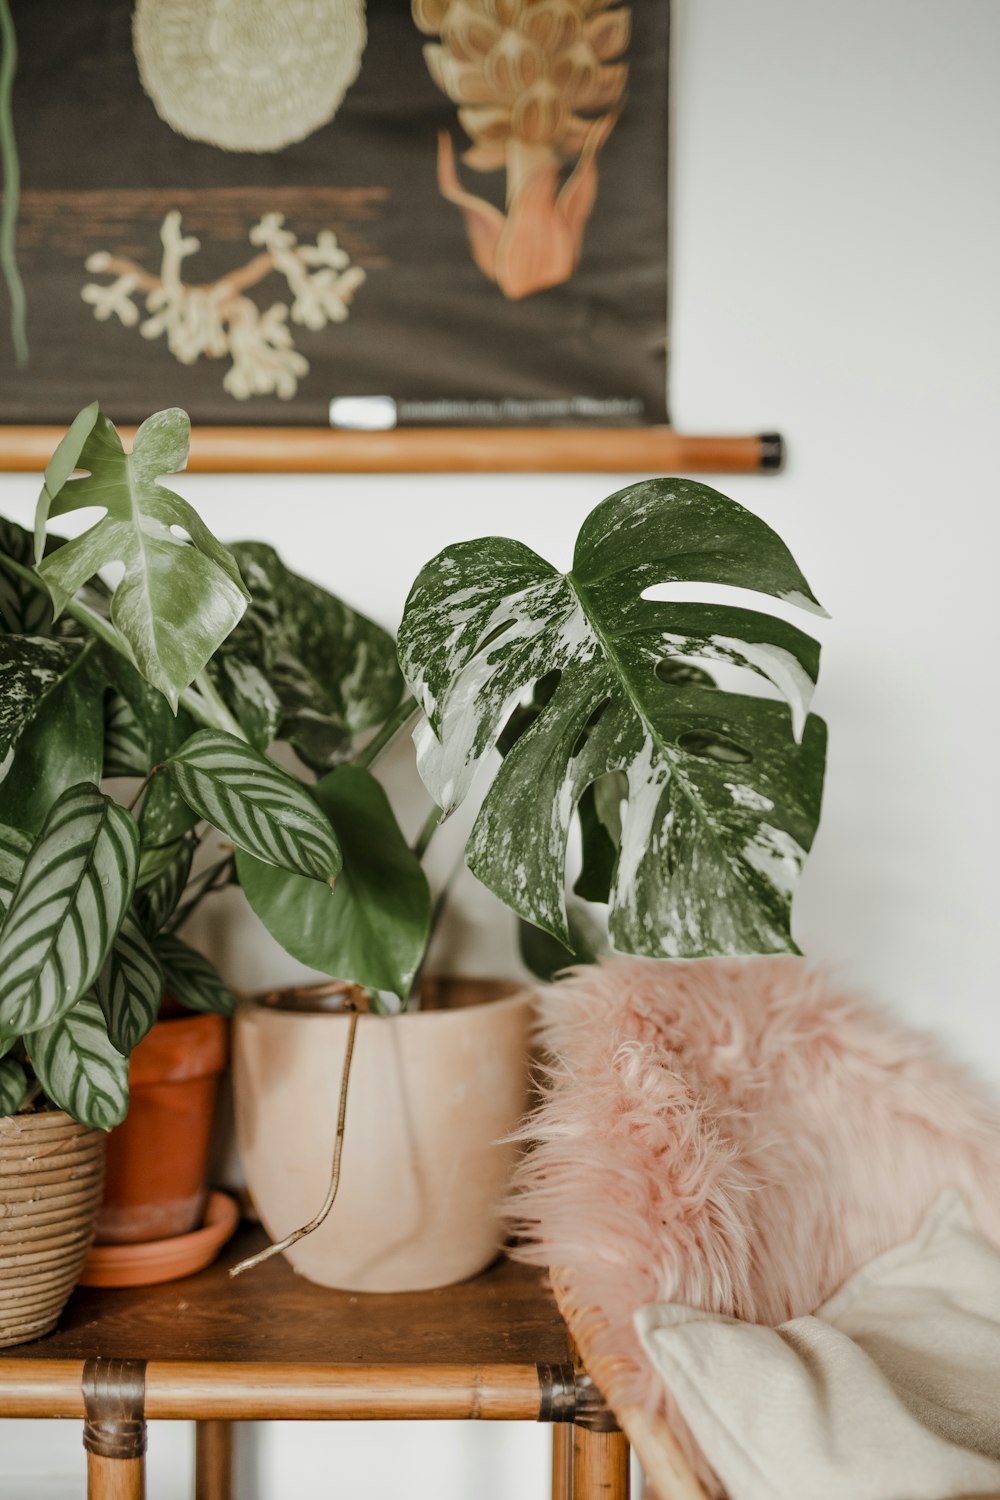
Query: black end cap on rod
{"x":772,"y":452}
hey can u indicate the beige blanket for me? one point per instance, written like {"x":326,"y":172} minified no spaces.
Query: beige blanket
{"x":890,"y":1391}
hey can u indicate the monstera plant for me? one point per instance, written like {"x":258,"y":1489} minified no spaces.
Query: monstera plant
{"x":697,"y":806}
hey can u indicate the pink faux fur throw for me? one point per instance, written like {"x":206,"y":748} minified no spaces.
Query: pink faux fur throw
{"x":737,"y":1135}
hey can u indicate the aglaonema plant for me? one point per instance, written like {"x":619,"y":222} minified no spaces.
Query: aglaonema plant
{"x":696,"y":806}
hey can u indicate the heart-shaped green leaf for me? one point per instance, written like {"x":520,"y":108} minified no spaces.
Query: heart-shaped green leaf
{"x":303,"y":666}
{"x":13,"y":1085}
{"x":373,"y":927}
{"x":191,"y":979}
{"x":723,"y":789}
{"x":181,"y":593}
{"x":129,"y":988}
{"x":73,"y":891}
{"x":78,"y":1067}
{"x":260,"y":807}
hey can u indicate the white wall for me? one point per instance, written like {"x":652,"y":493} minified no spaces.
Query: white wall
{"x":837,"y":234}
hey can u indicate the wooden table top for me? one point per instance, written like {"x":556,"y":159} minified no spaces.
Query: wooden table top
{"x":272,"y":1344}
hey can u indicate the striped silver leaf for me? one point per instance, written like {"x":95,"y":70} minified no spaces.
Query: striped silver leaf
{"x":13,"y":1085}
{"x":14,"y":846}
{"x":79,"y":1068}
{"x":74,"y":890}
{"x":163,"y":874}
{"x":256,"y":804}
{"x":130,"y":986}
{"x":125,"y":749}
{"x":191,"y":979}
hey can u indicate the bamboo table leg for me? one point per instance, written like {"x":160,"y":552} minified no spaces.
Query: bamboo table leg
{"x":562,"y":1461}
{"x":114,"y":1433}
{"x":213,"y":1460}
{"x":115,"y":1478}
{"x":600,"y":1465}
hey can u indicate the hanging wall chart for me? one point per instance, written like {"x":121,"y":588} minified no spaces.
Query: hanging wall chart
{"x":393,"y":235}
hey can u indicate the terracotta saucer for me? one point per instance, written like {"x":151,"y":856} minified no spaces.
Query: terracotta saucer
{"x":164,"y":1260}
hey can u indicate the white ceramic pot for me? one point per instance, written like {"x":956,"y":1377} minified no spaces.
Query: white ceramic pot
{"x":432,"y":1094}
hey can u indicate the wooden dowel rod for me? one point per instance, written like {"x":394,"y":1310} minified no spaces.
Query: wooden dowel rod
{"x":203,"y":1390}
{"x":562,"y":1461}
{"x":600,"y":1465}
{"x":115,"y":1478}
{"x":213,"y":1461}
{"x":609,"y":450}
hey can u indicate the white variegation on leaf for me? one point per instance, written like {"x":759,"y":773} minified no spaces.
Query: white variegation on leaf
{"x":181,"y":592}
{"x":723,"y":789}
{"x":256,"y":804}
{"x":79,"y":1068}
{"x":72,"y":894}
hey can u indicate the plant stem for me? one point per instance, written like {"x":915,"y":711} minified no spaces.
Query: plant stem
{"x":431,"y":824}
{"x":205,"y":706}
{"x":142,"y":787}
{"x":402,"y":715}
{"x":208,"y":881}
{"x":338,"y":1151}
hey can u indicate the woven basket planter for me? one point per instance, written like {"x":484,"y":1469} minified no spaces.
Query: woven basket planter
{"x":51,"y":1179}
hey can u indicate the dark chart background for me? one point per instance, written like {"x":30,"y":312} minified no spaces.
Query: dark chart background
{"x":99,"y":169}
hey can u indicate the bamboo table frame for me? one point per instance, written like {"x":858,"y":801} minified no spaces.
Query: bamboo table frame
{"x":551,"y":450}
{"x":271,"y":1346}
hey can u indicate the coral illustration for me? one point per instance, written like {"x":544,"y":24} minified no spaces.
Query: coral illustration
{"x":538,"y":88}
{"x":218,"y":319}
{"x":248,"y":75}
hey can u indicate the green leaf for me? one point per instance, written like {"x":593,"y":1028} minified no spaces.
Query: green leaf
{"x":161,"y":890}
{"x":124,"y":741}
{"x":260,"y":807}
{"x":129,"y":988}
{"x":546,"y":957}
{"x":14,"y":848}
{"x":51,"y":723}
{"x":79,"y":1068}
{"x":74,"y":890}
{"x":13,"y":1085}
{"x":164,"y":820}
{"x":191,"y":979}
{"x":149,"y":727}
{"x":302,"y":666}
{"x":181,"y":593}
{"x":373,"y":927}
{"x":24,"y":609}
{"x":723,"y":788}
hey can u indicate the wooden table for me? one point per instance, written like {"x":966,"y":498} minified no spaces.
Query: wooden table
{"x":271,"y":1346}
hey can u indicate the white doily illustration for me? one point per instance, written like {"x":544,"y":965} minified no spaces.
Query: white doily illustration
{"x":248,"y":75}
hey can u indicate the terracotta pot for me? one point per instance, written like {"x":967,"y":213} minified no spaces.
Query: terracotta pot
{"x":51,"y":1175}
{"x":432,"y":1094}
{"x":157,"y":1159}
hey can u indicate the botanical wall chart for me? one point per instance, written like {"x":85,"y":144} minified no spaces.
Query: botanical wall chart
{"x":253,"y":209}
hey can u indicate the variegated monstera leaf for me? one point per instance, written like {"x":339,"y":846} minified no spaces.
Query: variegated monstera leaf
{"x":719,"y":792}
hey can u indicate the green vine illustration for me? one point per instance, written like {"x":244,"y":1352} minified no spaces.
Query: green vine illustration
{"x":11,"y":189}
